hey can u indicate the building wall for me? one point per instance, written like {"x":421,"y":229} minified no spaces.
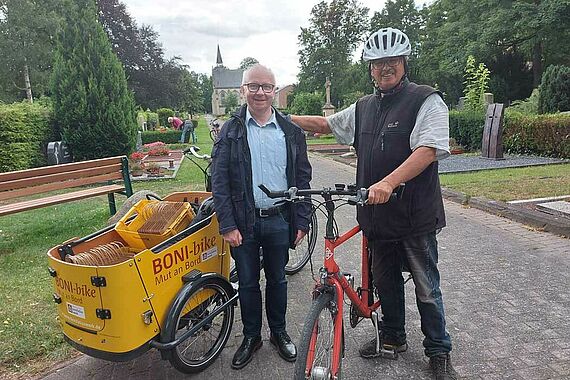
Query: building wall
{"x":280,"y":100}
{"x":218,"y":96}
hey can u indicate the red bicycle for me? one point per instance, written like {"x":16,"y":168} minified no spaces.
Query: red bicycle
{"x":321,"y":346}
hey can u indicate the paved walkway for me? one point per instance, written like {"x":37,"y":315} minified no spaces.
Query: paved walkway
{"x":506,"y":292}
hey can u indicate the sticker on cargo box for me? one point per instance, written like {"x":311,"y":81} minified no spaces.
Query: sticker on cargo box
{"x":212,"y":252}
{"x":78,"y":311}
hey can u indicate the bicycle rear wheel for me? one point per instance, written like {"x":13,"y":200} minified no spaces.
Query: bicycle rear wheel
{"x":299,"y":256}
{"x":315,"y":356}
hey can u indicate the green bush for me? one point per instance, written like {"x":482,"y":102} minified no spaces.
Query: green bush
{"x":306,"y":103}
{"x":527,"y":106}
{"x":151,"y":120}
{"x":163,"y":115}
{"x":25,"y":130}
{"x":466,"y":127}
{"x":555,"y":90}
{"x":544,"y":135}
{"x":169,"y":136}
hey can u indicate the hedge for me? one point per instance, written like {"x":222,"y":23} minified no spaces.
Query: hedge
{"x":466,"y":127}
{"x":25,"y":130}
{"x":169,"y":136}
{"x":542,"y":135}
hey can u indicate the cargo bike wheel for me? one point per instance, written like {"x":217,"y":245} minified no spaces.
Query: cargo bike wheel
{"x":204,"y":306}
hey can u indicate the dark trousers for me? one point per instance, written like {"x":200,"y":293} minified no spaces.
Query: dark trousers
{"x":420,"y":255}
{"x":271,"y":234}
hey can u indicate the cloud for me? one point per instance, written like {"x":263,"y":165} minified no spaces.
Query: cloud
{"x":264,"y":29}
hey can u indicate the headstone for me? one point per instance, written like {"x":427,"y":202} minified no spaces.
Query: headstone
{"x":488,"y":99}
{"x":58,"y":153}
{"x":139,"y":141}
{"x":492,"y":144}
{"x":461,"y":103}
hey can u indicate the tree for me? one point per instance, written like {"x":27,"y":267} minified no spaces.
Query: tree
{"x":326,"y":46}
{"x":207,"y":88}
{"x":93,"y":107}
{"x":514,"y":39}
{"x":305,"y":103}
{"x":555,"y":90}
{"x":189,"y":93}
{"x":230,"y":102}
{"x":247,"y":62}
{"x":476,"y":84}
{"x":27,"y":34}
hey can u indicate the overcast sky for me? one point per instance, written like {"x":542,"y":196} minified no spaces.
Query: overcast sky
{"x":264,"y":29}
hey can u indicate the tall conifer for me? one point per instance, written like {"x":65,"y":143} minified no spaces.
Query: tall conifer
{"x":93,"y":107}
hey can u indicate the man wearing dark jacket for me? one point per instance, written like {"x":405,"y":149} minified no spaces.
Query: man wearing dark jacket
{"x":257,"y":146}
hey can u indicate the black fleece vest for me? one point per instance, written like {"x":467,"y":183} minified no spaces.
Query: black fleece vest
{"x":382,"y":143}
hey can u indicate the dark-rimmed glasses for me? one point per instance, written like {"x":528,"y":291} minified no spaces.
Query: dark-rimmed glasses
{"x":380,"y":63}
{"x":254,"y":87}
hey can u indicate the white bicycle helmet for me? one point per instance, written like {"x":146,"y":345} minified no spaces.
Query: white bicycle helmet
{"x":386,"y":43}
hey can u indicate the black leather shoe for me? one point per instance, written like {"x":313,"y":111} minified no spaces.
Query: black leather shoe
{"x":285,"y":346}
{"x":244,"y":353}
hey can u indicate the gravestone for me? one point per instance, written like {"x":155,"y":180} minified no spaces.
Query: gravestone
{"x":58,"y":153}
{"x":492,"y":144}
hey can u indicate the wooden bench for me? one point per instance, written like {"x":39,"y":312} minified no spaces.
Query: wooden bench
{"x":100,"y":175}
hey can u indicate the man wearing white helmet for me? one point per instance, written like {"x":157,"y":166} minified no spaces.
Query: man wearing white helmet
{"x":399,"y":134}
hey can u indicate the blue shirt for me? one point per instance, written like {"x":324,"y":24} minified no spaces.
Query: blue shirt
{"x":268,"y":158}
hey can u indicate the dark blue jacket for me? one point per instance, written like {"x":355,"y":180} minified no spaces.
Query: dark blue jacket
{"x":232,"y":186}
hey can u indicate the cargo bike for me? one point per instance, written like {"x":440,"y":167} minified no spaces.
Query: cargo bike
{"x":158,"y":278}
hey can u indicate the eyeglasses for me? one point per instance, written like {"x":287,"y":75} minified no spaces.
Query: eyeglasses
{"x":254,"y":87}
{"x":391,"y":62}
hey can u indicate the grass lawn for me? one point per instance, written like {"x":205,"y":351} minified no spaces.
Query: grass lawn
{"x":512,"y":184}
{"x":30,"y":337}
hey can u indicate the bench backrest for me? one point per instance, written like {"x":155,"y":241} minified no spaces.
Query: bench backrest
{"x":48,"y":178}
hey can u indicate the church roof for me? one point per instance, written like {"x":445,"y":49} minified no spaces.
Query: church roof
{"x":226,"y":78}
{"x":219,"y":57}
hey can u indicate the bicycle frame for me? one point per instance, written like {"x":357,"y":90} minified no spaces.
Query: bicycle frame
{"x":332,"y":277}
{"x":329,"y":292}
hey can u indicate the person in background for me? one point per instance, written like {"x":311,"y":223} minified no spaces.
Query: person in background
{"x":399,"y":133}
{"x":258,"y":145}
{"x":175,"y":122}
{"x":188,"y":128}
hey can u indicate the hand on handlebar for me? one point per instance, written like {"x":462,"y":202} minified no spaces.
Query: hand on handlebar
{"x":379,"y":193}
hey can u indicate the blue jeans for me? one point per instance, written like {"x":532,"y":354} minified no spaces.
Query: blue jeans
{"x":192,"y":132}
{"x":419,"y":254}
{"x":272,"y":234}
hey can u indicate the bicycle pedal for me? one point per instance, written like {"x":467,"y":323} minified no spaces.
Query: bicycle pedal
{"x":388,"y":352}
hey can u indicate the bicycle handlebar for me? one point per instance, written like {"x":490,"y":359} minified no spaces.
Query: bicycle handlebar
{"x":194,"y":150}
{"x":359,"y":196}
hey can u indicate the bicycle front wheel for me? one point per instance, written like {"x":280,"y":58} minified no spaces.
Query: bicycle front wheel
{"x":299,"y":256}
{"x":315,"y":359}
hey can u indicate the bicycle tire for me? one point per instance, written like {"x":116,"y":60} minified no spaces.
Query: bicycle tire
{"x":299,"y":257}
{"x":197,"y":352}
{"x":213,"y":135}
{"x":319,"y":322}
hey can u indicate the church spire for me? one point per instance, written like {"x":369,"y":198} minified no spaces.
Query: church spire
{"x":219,"y":61}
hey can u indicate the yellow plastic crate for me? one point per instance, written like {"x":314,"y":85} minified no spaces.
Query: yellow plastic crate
{"x":155,"y":222}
